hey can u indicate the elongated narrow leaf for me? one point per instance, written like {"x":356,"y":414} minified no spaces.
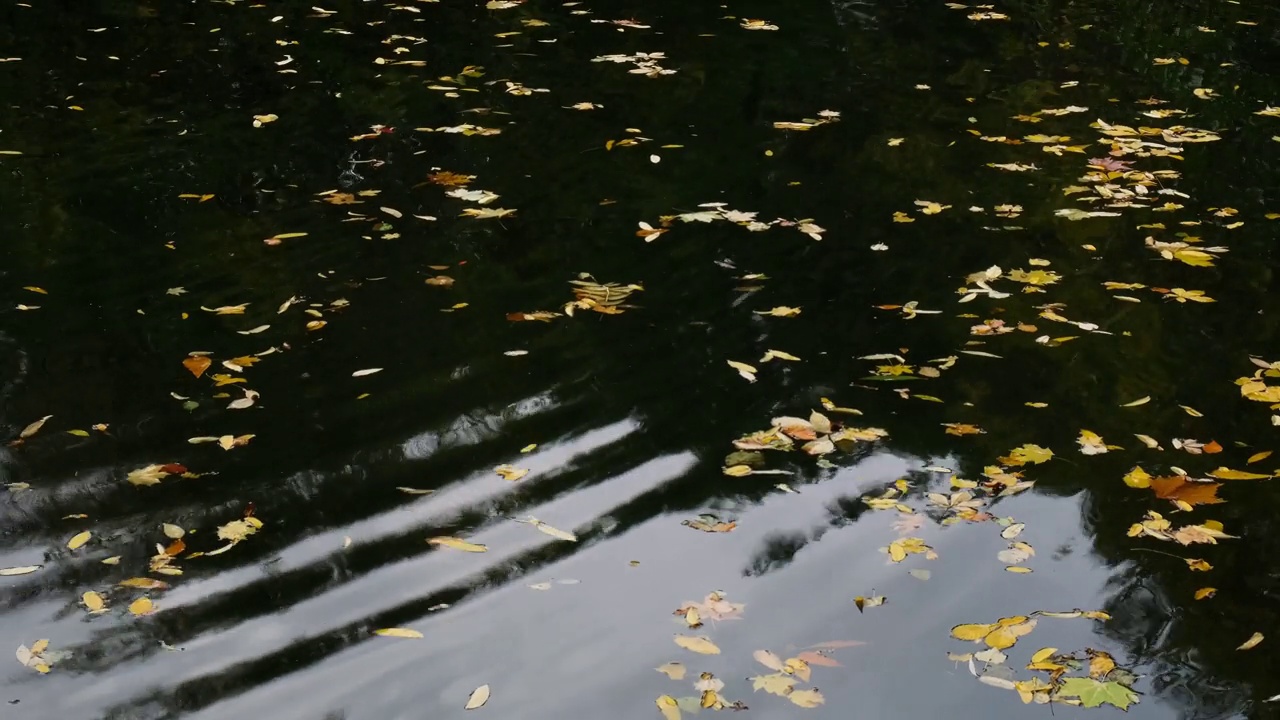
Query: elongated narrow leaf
{"x":398,"y":632}
{"x":458,"y":544}
{"x":479,"y":697}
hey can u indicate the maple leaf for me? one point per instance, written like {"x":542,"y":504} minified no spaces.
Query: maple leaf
{"x":1110,"y":164}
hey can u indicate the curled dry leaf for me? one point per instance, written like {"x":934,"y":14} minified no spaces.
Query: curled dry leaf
{"x":1252,"y":642}
{"x":458,"y":544}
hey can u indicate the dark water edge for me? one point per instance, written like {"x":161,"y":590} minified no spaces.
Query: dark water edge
{"x":632,"y":414}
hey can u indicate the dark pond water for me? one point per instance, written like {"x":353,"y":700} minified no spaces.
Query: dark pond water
{"x":160,"y":230}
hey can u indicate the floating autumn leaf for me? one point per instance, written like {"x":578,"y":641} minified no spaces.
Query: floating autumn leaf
{"x":1205,"y":593}
{"x":780,"y":311}
{"x":699,"y":644}
{"x":710,"y":524}
{"x":78,"y":540}
{"x":142,"y":606}
{"x":928,"y":207}
{"x":669,"y":707}
{"x":747,"y":372}
{"x":93,"y":602}
{"x":398,"y":632}
{"x":23,"y":570}
{"x":33,"y":428}
{"x":1094,"y":693}
{"x":510,"y":472}
{"x":1091,"y":443}
{"x":806,"y":698}
{"x":899,"y":549}
{"x":197,"y":364}
{"x":143,"y":583}
{"x":1182,"y":489}
{"x":673,"y":670}
{"x":552,"y":531}
{"x":962,"y":429}
{"x":478,"y":697}
{"x":1252,"y":642}
{"x":1027,"y":454}
{"x":153,"y":474}
{"x":457,"y":544}
{"x":1225,"y":473}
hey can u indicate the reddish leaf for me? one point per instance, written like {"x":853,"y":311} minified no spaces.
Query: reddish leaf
{"x":814,"y":658}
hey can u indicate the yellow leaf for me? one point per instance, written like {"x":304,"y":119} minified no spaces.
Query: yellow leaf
{"x":1140,"y":401}
{"x":143,"y":583}
{"x":93,"y":601}
{"x":142,"y":606}
{"x":1206,"y":592}
{"x":1224,"y":473}
{"x":806,"y":698}
{"x":78,"y":540}
{"x":971,"y":632}
{"x":1018,"y":569}
{"x":668,"y":707}
{"x":1000,"y":638}
{"x":1100,"y":664}
{"x":1191,"y":411}
{"x":1198,"y":564}
{"x":797,"y":667}
{"x":1252,"y":642}
{"x":398,"y":632}
{"x":33,"y":428}
{"x":458,"y":544}
{"x":1258,"y":456}
{"x":24,"y":570}
{"x":737,"y":470}
{"x":698,"y":644}
{"x":1137,"y":478}
{"x":509,"y":472}
{"x":1043,"y":654}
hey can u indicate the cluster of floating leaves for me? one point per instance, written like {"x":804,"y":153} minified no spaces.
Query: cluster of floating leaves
{"x":1120,"y":170}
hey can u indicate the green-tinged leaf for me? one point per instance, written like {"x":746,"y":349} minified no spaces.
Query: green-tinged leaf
{"x":1093,"y":693}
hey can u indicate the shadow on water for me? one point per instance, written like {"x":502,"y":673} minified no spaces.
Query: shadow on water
{"x":118,"y":109}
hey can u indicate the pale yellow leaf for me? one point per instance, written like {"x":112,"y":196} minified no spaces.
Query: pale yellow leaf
{"x":458,"y":544}
{"x":398,"y":633}
{"x":78,"y":540}
{"x":698,"y":644}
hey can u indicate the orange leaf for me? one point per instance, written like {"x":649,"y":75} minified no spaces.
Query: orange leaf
{"x":1192,"y":493}
{"x":197,"y":364}
{"x":1212,"y":447}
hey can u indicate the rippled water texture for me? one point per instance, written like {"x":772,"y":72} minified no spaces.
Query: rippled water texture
{"x":991,"y":231}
